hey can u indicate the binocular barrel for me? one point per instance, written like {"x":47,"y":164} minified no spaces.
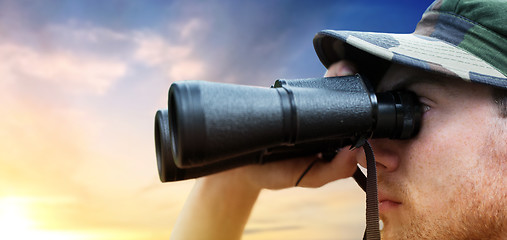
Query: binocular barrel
{"x":212,"y":127}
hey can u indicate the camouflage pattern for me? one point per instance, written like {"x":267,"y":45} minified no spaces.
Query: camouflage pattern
{"x":461,"y":38}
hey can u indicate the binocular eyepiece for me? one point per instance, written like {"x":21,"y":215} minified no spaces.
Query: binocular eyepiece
{"x":211,"y":127}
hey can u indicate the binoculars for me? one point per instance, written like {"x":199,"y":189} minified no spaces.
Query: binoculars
{"x":212,"y":127}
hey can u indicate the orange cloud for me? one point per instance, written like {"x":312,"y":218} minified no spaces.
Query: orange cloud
{"x":329,"y":212}
{"x":80,"y":170}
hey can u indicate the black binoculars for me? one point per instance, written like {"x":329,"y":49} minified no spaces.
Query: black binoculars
{"x":211,"y":127}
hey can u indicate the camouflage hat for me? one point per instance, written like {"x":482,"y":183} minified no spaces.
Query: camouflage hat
{"x":461,"y":38}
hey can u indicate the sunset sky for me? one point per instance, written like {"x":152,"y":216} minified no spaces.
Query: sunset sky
{"x":80,"y":82}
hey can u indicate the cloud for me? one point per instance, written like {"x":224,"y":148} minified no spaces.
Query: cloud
{"x":83,"y":58}
{"x":61,"y":69}
{"x":46,"y":134}
{"x":336,"y":209}
{"x":154,"y":50}
{"x":176,"y":55}
{"x":269,"y":229}
{"x":85,"y":32}
{"x":74,"y":123}
{"x":192,"y":28}
{"x":187,"y":70}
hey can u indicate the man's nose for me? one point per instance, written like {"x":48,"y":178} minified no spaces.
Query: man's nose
{"x":386,"y":156}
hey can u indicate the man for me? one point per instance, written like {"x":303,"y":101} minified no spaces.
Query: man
{"x":449,"y":181}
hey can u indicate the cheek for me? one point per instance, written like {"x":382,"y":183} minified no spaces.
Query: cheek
{"x":444,"y":152}
{"x":451,"y":138}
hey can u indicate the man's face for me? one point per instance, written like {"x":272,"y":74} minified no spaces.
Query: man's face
{"x":448,"y":182}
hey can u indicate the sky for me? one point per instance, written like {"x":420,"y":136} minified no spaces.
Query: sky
{"x":80,"y":82}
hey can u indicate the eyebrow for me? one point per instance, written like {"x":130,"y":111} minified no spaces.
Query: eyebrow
{"x":413,"y":80}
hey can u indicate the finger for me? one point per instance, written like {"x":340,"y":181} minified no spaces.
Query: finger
{"x":343,"y":165}
{"x":341,"y":68}
{"x":279,"y":174}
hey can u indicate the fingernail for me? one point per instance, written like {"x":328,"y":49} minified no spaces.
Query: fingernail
{"x":346,"y":70}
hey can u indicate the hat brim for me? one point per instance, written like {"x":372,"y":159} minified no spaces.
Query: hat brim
{"x":414,"y":50}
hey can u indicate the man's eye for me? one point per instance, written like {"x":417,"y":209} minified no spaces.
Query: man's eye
{"x":425,"y":108}
{"x":425,"y":104}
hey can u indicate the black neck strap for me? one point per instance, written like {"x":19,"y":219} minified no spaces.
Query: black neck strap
{"x":369,"y":185}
